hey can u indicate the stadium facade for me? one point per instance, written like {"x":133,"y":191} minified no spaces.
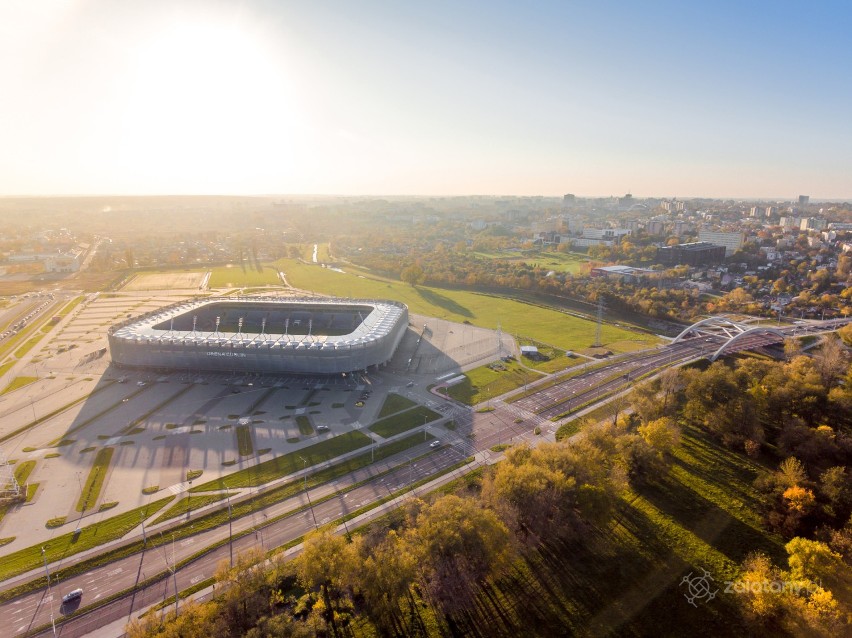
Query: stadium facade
{"x":264,"y":335}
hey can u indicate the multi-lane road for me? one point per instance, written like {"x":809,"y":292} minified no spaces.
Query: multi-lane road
{"x":288,"y":520}
{"x":330,"y":502}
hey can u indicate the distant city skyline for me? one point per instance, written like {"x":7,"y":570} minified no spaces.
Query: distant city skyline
{"x":661,"y":99}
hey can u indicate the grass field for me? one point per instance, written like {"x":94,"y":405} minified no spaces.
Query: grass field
{"x":560,"y":262}
{"x":322,"y":253}
{"x":244,"y":445}
{"x":187,"y":504}
{"x":288,"y":463}
{"x":240,"y":276}
{"x":554,"y":358}
{"x":415,"y":417}
{"x":165,"y":280}
{"x":95,"y":480}
{"x":626,"y":579}
{"x":66,"y":545}
{"x":395,"y":403}
{"x":550,"y":326}
{"x":487,"y":382}
{"x":18,"y":382}
{"x":304,"y":424}
{"x":23,"y":471}
{"x":30,"y":335}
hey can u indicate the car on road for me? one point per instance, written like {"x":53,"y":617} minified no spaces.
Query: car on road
{"x":359,"y":404}
{"x":410,"y":384}
{"x":74,"y":595}
{"x":435,"y":444}
{"x":322,"y":428}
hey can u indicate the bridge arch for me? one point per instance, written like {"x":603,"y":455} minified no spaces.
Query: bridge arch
{"x":744,"y":335}
{"x":719,"y":322}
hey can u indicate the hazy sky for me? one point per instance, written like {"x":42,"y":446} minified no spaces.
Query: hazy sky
{"x":409,"y":97}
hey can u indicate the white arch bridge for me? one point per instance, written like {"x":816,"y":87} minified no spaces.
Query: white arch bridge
{"x":731,"y":335}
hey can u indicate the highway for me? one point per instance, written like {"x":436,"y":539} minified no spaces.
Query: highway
{"x":475,"y":432}
{"x":34,"y":610}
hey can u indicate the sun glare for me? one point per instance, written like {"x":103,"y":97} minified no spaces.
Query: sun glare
{"x":209,"y":104}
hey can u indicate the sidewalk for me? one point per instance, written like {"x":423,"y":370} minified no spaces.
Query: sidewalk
{"x":245,"y":521}
{"x":116,"y":629}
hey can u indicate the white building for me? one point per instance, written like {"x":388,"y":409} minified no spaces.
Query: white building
{"x":731,"y":241}
{"x":813,"y":223}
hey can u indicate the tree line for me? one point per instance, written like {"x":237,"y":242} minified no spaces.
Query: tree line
{"x":440,"y":564}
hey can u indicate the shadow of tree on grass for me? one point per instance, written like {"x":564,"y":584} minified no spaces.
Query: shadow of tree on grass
{"x":437,"y":299}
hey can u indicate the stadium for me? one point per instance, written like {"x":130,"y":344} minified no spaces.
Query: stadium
{"x":264,"y":335}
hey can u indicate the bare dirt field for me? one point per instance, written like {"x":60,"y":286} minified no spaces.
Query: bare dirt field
{"x":165,"y":281}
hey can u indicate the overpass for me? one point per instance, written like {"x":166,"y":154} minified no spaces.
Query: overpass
{"x":735,"y":336}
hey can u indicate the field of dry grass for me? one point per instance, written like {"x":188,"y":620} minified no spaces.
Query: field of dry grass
{"x":165,"y":281}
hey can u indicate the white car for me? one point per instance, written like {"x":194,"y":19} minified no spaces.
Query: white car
{"x":435,"y":444}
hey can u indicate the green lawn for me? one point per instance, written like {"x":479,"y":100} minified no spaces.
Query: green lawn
{"x":487,"y":382}
{"x":322,"y":253}
{"x":19,"y":382}
{"x":244,"y":444}
{"x":415,"y":417}
{"x":70,"y":306}
{"x":395,"y":403}
{"x":304,"y":424}
{"x":23,"y":471}
{"x":550,"y":326}
{"x":6,"y":367}
{"x":288,"y":463}
{"x":30,"y":343}
{"x":553,"y":358}
{"x":187,"y":504}
{"x":560,"y":262}
{"x":95,"y":480}
{"x":30,"y":334}
{"x":239,"y":276}
{"x":626,"y":578}
{"x":66,"y":545}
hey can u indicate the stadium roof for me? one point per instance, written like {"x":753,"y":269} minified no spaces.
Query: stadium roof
{"x":378,"y":323}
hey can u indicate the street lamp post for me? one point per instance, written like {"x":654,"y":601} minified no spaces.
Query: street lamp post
{"x":307,"y":495}
{"x":411,"y":467}
{"x":189,"y":500}
{"x":174,"y":575}
{"x":47,"y":572}
{"x":230,"y":531}
{"x":82,"y":503}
